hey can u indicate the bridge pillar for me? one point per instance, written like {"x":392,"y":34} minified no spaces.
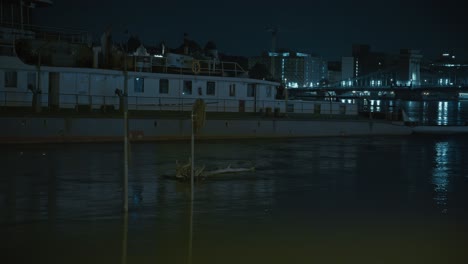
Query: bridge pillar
{"x":407,"y":94}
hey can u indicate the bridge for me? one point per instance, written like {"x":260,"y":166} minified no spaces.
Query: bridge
{"x":386,"y":88}
{"x":382,"y":84}
{"x":398,"y":92}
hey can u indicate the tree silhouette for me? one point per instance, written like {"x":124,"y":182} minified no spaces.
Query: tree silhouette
{"x":259,"y":71}
{"x":133,"y":43}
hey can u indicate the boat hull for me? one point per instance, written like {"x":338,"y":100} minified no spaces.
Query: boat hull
{"x":86,"y":129}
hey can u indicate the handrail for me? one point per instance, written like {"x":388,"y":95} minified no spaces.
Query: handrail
{"x":74,"y":35}
{"x":207,"y":67}
{"x":96,"y":102}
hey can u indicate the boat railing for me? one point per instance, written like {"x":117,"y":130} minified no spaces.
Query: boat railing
{"x":209,"y":67}
{"x":10,"y":98}
{"x":110,"y":103}
{"x":18,"y":31}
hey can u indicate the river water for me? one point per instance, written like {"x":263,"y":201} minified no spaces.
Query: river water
{"x":435,"y":113}
{"x":315,"y":200}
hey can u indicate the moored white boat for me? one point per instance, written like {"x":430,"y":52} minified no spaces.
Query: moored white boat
{"x":64,"y":71}
{"x":49,"y":80}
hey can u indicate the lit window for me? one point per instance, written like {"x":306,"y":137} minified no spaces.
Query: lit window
{"x":210,"y":88}
{"x":187,"y":87}
{"x":163,"y":86}
{"x":11,"y":79}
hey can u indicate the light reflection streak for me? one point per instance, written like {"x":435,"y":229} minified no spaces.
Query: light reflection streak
{"x":459,"y":107}
{"x":442,"y":113}
{"x":440,"y":178}
{"x":425,"y":110}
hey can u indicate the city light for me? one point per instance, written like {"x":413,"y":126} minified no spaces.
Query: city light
{"x":293,"y":85}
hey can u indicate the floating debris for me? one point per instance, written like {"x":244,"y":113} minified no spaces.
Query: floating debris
{"x":183,"y":172}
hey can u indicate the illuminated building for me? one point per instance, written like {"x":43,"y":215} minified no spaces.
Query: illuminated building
{"x":296,"y":68}
{"x":368,"y":68}
{"x":447,"y":70}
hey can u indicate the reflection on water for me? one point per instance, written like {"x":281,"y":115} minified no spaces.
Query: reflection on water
{"x":440,"y":174}
{"x":424,"y":112}
{"x":436,"y":112}
{"x":442,"y":113}
{"x":334,"y":200}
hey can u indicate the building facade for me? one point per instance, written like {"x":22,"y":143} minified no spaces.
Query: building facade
{"x":446,"y":70}
{"x":373,"y":69}
{"x":295,"y":69}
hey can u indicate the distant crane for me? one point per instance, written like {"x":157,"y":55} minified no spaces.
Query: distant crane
{"x":274,"y":35}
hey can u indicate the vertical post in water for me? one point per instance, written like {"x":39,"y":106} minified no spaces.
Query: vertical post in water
{"x":190,"y":234}
{"x":125,"y":106}
{"x":124,"y":238}
{"x":193,"y":161}
{"x":285,"y":96}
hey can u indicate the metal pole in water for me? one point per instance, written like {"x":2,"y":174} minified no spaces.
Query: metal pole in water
{"x":190,"y":254}
{"x":124,"y":238}
{"x":193,"y":162}
{"x":125,"y":105}
{"x":125,"y":189}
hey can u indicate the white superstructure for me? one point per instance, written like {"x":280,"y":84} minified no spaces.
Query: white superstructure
{"x":61,"y":70}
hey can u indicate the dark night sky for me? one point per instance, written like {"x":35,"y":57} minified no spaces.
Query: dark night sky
{"x":324,"y":27}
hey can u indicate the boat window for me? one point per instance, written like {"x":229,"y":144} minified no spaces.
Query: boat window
{"x":163,"y":86}
{"x":11,"y":79}
{"x":251,"y":90}
{"x":187,"y":87}
{"x":232,"y":89}
{"x":32,"y":81}
{"x":268,"y":92}
{"x":139,"y":85}
{"x":210,"y":88}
